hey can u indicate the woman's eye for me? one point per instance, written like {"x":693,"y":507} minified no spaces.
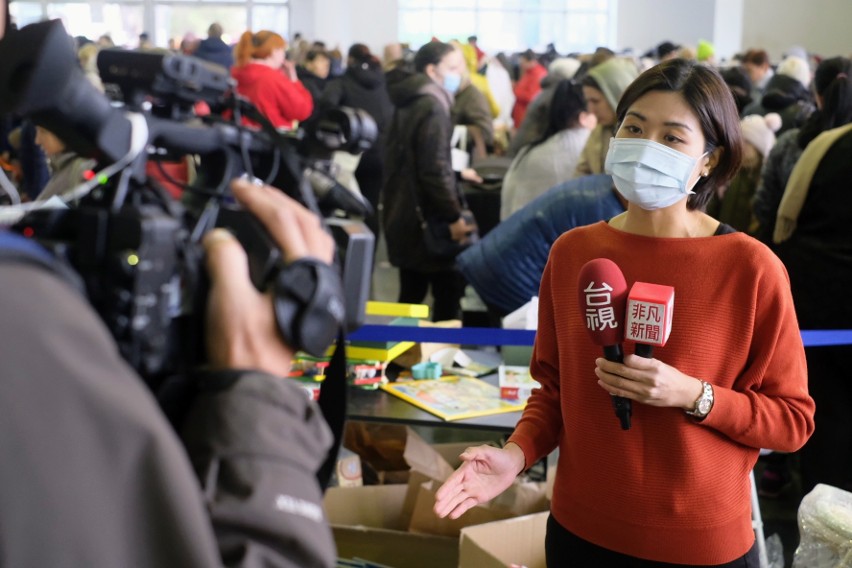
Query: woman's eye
{"x":633,"y":129}
{"x":672,"y":139}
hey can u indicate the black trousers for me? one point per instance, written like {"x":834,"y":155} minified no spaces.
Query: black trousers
{"x":447,"y":290}
{"x":564,"y":549}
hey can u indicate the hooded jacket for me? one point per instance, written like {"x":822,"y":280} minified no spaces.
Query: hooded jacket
{"x":363,"y":87}
{"x":418,"y":163}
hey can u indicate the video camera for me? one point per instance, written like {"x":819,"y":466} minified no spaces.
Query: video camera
{"x":136,"y":249}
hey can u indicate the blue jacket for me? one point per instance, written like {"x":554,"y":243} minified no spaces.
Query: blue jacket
{"x":214,"y":50}
{"x":505,"y":267}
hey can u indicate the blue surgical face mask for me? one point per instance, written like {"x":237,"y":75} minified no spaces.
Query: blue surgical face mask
{"x":648,"y":173}
{"x":452,"y":82}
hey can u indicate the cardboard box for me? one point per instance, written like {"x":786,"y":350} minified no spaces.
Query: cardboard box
{"x":423,"y":518}
{"x":500,"y":544}
{"x":366,"y":524}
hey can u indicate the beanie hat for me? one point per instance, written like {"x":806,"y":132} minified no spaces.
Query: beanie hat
{"x":797,"y":68}
{"x":759,"y":131}
{"x":705,"y":50}
{"x":564,"y":67}
{"x":613,"y":76}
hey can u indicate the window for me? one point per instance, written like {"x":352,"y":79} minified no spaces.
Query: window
{"x":511,"y":25}
{"x":164,"y":21}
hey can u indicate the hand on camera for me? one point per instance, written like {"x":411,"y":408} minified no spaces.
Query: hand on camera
{"x":241,"y":328}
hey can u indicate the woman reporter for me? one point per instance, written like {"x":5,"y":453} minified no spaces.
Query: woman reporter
{"x":675,"y":488}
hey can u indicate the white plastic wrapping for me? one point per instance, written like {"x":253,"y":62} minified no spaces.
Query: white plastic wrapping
{"x":825,"y":529}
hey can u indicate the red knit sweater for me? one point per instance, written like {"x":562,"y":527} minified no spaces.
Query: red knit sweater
{"x":670,"y":489}
{"x":277,"y":97}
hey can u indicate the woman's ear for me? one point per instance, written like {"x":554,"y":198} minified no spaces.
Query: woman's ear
{"x":712,"y":161}
{"x":431,"y":71}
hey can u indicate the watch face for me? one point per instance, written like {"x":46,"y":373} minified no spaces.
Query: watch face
{"x":704,"y":406}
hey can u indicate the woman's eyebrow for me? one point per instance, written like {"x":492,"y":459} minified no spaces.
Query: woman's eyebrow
{"x":678,"y":125}
{"x":642,"y":117}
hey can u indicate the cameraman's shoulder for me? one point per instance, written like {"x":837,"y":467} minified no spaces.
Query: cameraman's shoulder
{"x":251,"y":386}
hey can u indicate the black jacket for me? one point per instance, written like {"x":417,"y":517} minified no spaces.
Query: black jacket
{"x":214,"y":50}
{"x":418,"y":162}
{"x":818,"y":255}
{"x":92,"y":474}
{"x":312,"y":82}
{"x":363,"y":87}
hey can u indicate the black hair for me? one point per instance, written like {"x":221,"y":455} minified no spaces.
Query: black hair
{"x":589,"y":81}
{"x":783,"y":91}
{"x":740,"y":84}
{"x":529,"y":55}
{"x":831,"y":82}
{"x":314,"y":52}
{"x":565,"y":108}
{"x":431,"y":54}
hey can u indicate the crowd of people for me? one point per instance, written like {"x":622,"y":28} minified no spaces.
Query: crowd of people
{"x":742,"y":202}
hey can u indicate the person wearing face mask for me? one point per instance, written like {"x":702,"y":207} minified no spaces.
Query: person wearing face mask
{"x":420,"y":173}
{"x":673,"y":489}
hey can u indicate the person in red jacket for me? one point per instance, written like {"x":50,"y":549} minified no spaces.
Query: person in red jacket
{"x":268,"y":80}
{"x":674,"y":488}
{"x":528,"y":86}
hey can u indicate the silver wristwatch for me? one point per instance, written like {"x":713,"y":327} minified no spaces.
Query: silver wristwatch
{"x":704,"y":403}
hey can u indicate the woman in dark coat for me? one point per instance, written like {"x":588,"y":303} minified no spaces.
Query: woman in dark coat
{"x":419,"y":164}
{"x":362,"y":86}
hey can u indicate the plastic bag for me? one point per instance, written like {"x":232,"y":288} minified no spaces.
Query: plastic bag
{"x":825,"y":529}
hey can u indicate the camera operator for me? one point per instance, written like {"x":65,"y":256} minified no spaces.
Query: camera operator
{"x":91,"y":472}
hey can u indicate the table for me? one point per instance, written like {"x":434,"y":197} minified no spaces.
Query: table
{"x":379,"y":406}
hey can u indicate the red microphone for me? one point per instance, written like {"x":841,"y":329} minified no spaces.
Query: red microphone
{"x":602,"y":293}
{"x":649,"y":316}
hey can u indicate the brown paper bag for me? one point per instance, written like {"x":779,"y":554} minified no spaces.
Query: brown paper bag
{"x":389,"y":452}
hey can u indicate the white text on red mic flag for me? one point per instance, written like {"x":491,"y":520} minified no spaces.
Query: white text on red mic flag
{"x":600,"y":313}
{"x":649,"y":313}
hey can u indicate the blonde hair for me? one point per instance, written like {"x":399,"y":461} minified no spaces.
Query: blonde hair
{"x":258,"y":45}
{"x":88,"y":56}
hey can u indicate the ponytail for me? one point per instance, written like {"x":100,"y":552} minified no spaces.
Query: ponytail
{"x":832,"y":84}
{"x":257,"y":46}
